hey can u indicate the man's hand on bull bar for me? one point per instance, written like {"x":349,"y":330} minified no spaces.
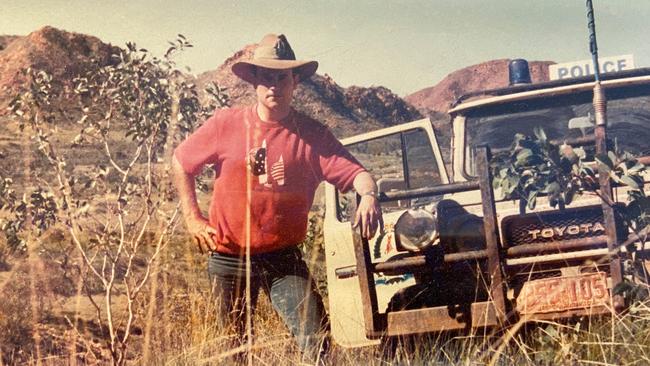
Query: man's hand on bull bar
{"x":203,"y":234}
{"x":369,"y":216}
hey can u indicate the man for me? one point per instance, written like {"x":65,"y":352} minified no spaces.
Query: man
{"x":268,"y":161}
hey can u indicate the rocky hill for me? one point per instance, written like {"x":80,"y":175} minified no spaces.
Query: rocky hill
{"x":486,"y":75}
{"x":346,"y":111}
{"x":64,"y":54}
{"x":60,"y":53}
{"x":5,"y":40}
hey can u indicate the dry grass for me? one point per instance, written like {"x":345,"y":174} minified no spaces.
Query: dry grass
{"x":43,"y":321}
{"x":46,"y":319}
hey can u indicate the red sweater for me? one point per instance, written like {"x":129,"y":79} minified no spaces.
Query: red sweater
{"x":285,"y":162}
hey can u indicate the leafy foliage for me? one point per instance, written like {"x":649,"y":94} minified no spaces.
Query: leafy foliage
{"x":109,"y":186}
{"x":534,"y":166}
{"x":35,"y":211}
{"x":624,"y":169}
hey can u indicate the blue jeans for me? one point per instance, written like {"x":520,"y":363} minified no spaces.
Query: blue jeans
{"x":284,"y":277}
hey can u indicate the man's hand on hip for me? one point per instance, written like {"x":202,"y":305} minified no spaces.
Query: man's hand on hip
{"x":203,"y":234}
{"x":368,"y":215}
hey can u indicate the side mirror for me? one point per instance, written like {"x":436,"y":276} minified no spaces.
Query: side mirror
{"x":582,"y":123}
{"x":392,"y":184}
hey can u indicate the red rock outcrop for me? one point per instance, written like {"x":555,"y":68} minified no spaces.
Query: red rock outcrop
{"x":65,"y":55}
{"x":486,"y":75}
{"x":5,"y":40}
{"x":346,"y":110}
{"x":60,"y":53}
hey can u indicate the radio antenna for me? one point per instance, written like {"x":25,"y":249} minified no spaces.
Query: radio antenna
{"x":600,"y":132}
{"x":593,"y":45}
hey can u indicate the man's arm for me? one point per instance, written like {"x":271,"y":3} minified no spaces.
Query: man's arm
{"x":368,"y":213}
{"x":197,"y":225}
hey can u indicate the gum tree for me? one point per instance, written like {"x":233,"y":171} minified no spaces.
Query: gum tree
{"x":107,"y":185}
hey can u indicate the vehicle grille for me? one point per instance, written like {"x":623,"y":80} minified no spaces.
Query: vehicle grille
{"x":553,"y":226}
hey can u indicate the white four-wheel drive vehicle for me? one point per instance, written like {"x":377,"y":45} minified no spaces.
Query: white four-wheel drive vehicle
{"x":454,"y":254}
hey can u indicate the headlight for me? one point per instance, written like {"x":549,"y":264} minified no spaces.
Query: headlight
{"x":416,"y":230}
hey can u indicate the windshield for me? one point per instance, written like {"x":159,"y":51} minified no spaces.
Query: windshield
{"x":563,"y":117}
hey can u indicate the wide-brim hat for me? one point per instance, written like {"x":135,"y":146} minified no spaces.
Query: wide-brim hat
{"x":274,"y":52}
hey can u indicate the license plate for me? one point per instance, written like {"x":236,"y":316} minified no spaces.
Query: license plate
{"x":563,"y":293}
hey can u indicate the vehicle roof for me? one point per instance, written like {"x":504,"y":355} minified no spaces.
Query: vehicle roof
{"x":524,"y":91}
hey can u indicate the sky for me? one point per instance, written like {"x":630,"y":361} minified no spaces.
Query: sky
{"x":404,"y":45}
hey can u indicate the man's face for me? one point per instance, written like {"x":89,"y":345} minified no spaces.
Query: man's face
{"x":275,"y":87}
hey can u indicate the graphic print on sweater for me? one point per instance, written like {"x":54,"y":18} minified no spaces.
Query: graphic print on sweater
{"x":257,"y":163}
